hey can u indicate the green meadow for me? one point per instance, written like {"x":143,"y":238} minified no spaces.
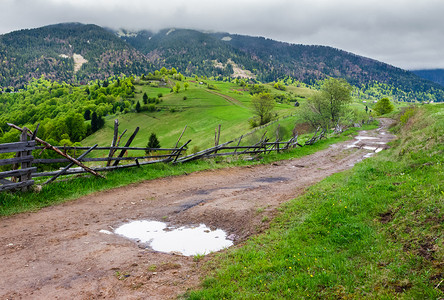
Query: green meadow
{"x":226,"y":104}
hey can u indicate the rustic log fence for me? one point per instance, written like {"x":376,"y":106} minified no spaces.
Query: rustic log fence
{"x":18,"y":178}
{"x":115,"y":155}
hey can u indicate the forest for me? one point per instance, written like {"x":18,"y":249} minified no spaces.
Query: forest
{"x":62,"y":109}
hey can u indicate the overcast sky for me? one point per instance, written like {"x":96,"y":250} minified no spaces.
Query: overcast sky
{"x":404,"y":33}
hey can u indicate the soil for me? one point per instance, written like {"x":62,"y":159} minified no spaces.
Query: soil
{"x":78,"y":62}
{"x":60,"y":253}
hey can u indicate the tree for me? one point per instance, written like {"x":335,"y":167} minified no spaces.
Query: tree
{"x":186,"y":85}
{"x":176,"y":88}
{"x":383,"y":106}
{"x":337,"y":95}
{"x":76,"y":126}
{"x":153,"y":142}
{"x":138,"y":108}
{"x":145,"y":98}
{"x":97,"y":122}
{"x":87,"y":115}
{"x":326,"y":106}
{"x":262,"y":106}
{"x":100,"y":122}
{"x":94,"y":125}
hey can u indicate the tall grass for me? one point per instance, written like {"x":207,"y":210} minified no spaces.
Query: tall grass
{"x":373,"y":232}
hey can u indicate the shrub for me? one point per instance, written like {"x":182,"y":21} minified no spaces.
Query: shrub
{"x":383,"y":106}
{"x":405,"y":117}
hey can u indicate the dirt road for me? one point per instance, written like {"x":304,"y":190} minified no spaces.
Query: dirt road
{"x":60,"y":253}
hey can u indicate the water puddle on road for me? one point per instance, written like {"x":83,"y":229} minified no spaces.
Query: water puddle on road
{"x":186,"y":240}
{"x":358,"y":139}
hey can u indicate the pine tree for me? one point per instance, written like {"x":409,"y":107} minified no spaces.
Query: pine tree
{"x":87,"y":114}
{"x":153,"y":142}
{"x":94,"y":125}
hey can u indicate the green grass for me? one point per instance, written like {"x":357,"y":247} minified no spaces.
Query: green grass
{"x":75,"y":187}
{"x":373,"y":232}
{"x":202,"y":112}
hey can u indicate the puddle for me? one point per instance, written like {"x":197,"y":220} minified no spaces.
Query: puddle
{"x":188,"y":241}
{"x":360,"y":137}
{"x":369,"y":148}
{"x":272,"y":179}
{"x":189,"y":205}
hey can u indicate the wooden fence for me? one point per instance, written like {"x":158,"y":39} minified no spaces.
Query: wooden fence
{"x":18,"y":178}
{"x":115,"y":155}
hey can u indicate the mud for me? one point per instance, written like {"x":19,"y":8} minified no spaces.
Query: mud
{"x":60,"y":252}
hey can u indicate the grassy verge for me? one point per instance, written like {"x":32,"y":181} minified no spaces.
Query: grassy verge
{"x":372,"y":232}
{"x":62,"y":191}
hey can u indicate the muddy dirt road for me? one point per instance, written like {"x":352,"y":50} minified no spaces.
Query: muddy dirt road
{"x":60,"y":253}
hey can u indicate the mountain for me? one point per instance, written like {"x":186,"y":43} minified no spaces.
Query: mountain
{"x":224,"y":54}
{"x":191,"y":52}
{"x":65,"y":52}
{"x":436,"y":75}
{"x":75,"y":52}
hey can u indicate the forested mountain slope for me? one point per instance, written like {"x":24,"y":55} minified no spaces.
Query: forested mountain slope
{"x":74,"y":53}
{"x":436,"y":75}
{"x":216,"y":54}
{"x":50,"y":51}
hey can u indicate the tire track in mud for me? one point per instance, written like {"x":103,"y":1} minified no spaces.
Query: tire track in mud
{"x":59,"y":252}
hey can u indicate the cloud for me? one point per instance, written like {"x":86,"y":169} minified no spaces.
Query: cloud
{"x":403,"y":33}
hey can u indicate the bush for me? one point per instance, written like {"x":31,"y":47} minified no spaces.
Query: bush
{"x":254,"y":122}
{"x":405,"y":117}
{"x":383,"y":106}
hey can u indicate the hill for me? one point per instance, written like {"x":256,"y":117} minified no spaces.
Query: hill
{"x":68,"y":52}
{"x":436,"y":75}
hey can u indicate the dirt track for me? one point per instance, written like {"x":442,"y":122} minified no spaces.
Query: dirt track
{"x":59,"y":253}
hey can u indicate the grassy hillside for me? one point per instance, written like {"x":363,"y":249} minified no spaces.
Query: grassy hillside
{"x":226,"y":103}
{"x":372,"y":232}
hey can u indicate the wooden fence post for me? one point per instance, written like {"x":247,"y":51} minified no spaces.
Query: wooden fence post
{"x":113,"y":143}
{"x":25,"y":165}
{"x":128,"y":143}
